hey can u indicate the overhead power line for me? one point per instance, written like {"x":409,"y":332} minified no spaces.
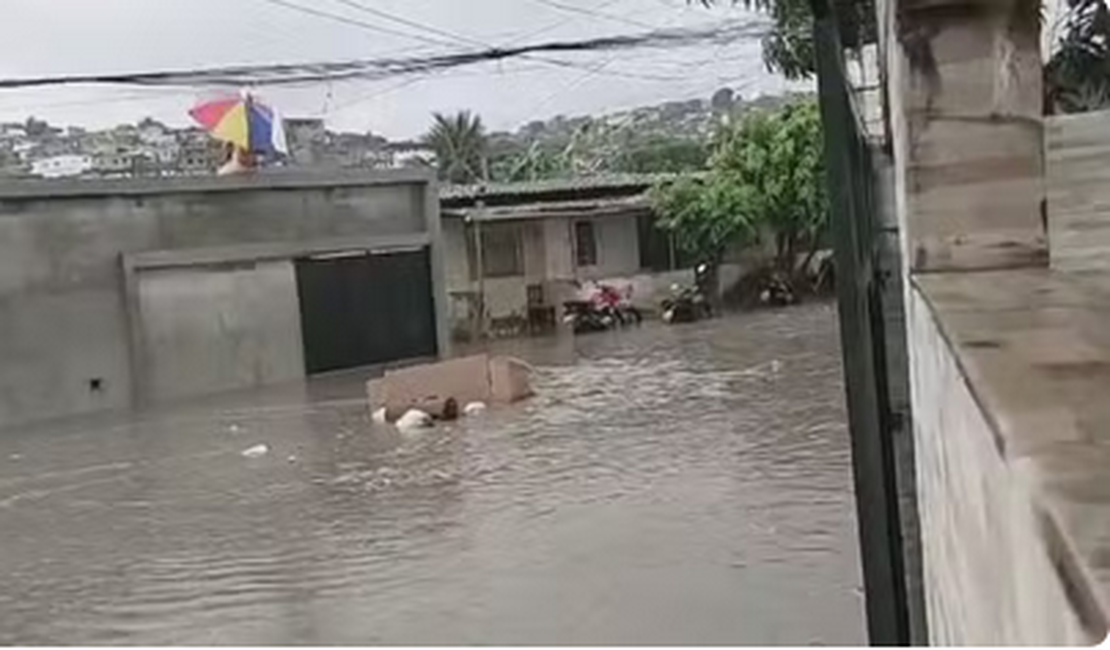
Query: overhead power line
{"x":381,"y":68}
{"x":594,"y":13}
{"x":352,"y":22}
{"x":459,"y":39}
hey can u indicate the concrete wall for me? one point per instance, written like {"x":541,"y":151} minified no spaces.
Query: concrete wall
{"x":964,"y":88}
{"x":220,"y":328}
{"x":989,"y":571}
{"x":618,"y":248}
{"x":66,"y":325}
{"x":1078,"y":190}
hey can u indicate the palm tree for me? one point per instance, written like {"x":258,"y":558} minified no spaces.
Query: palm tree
{"x":460,"y":144}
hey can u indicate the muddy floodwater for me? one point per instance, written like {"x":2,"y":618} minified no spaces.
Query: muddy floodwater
{"x":668,"y":485}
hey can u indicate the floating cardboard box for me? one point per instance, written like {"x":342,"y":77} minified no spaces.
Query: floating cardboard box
{"x":479,"y":378}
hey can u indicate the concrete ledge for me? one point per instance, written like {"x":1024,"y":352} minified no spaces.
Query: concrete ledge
{"x":270,"y":251}
{"x":1034,"y":351}
{"x":266,"y":180}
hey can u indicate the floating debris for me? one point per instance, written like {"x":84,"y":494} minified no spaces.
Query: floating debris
{"x":475,"y":408}
{"x":414,"y":419}
{"x":379,"y":416}
{"x":256,"y":451}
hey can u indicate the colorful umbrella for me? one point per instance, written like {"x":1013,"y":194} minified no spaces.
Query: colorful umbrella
{"x":244,"y":122}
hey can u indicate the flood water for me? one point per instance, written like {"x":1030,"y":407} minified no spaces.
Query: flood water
{"x":668,"y":485}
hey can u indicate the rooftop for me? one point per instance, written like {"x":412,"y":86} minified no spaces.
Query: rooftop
{"x":584,"y":187}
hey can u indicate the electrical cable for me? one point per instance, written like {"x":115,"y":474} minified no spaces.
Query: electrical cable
{"x":380,"y":68}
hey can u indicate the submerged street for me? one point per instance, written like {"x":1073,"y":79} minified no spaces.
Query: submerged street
{"x":668,"y":485}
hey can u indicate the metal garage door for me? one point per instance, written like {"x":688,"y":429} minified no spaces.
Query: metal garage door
{"x":362,"y":309}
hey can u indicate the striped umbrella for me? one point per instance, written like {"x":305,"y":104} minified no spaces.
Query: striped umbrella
{"x":244,"y":122}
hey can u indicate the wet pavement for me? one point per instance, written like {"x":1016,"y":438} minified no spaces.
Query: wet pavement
{"x":668,"y":485}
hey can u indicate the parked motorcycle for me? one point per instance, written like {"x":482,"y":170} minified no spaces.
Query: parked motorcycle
{"x":688,"y":304}
{"x":584,"y":316}
{"x":777,"y":292}
{"x":617,"y":305}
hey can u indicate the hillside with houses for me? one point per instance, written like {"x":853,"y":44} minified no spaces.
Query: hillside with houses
{"x":667,"y":137}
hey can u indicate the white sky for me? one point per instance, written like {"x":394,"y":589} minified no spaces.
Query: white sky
{"x":54,"y":37}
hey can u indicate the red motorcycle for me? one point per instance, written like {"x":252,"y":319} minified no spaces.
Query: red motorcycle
{"x":613,"y":303}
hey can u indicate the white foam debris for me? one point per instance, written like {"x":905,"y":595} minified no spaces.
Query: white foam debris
{"x":256,"y":451}
{"x":475,"y":408}
{"x":414,"y":419}
{"x":379,"y":416}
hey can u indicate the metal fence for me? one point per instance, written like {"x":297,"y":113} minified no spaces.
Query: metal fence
{"x":857,"y":239}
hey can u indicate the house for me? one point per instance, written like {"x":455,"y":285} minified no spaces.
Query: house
{"x":539,"y":239}
{"x":61,"y":166}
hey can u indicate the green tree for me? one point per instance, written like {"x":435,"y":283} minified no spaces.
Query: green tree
{"x":706,"y":215}
{"x":533,"y":164}
{"x":766,"y":179}
{"x":788,"y":47}
{"x":660,"y":154}
{"x":461,"y":146}
{"x":1077,"y":76}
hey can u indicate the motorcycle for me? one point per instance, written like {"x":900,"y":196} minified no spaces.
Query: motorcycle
{"x":584,"y":316}
{"x":777,"y":292}
{"x":688,"y":304}
{"x":617,"y":306}
{"x":603,"y":309}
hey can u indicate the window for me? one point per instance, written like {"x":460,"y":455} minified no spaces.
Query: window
{"x":585,"y":243}
{"x":502,"y":254}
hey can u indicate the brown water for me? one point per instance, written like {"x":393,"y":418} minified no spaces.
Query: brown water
{"x":678,"y":485}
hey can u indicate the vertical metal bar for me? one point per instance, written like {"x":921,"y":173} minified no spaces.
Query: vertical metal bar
{"x":849,"y":177}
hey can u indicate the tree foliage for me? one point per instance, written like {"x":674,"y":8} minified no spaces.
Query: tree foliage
{"x":766,"y":179}
{"x":461,"y":146}
{"x":789,"y":49}
{"x":1077,"y":77}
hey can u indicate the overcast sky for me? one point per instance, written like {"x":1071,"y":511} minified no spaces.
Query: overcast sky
{"x":53,"y":37}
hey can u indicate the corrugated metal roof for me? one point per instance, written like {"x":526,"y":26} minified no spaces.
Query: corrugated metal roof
{"x":555,"y":209}
{"x":609,"y":181}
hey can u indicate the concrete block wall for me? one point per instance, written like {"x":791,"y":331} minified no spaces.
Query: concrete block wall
{"x":65,"y":325}
{"x":964,"y":88}
{"x":1078,"y":190}
{"x":989,"y":572}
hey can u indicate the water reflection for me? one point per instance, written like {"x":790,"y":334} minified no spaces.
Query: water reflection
{"x":680,"y":485}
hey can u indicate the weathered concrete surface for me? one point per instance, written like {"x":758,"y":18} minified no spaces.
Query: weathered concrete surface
{"x":1078,"y":190}
{"x":964,"y":85}
{"x":67,"y":324}
{"x":220,"y":328}
{"x":1012,"y":460}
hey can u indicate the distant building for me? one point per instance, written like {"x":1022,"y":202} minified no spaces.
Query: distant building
{"x":307,"y":139}
{"x":62,"y":166}
{"x":411,"y":154}
{"x":538,"y":240}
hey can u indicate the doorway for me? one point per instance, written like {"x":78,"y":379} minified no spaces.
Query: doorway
{"x":365,"y":308}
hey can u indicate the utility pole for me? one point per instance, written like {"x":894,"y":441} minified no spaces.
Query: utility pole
{"x":479,"y":261}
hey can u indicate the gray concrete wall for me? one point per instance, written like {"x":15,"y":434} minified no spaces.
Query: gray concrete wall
{"x":65,"y":322}
{"x":965,"y":107}
{"x":618,"y":248}
{"x":1078,"y":190}
{"x":220,"y":328}
{"x":990,"y":574}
